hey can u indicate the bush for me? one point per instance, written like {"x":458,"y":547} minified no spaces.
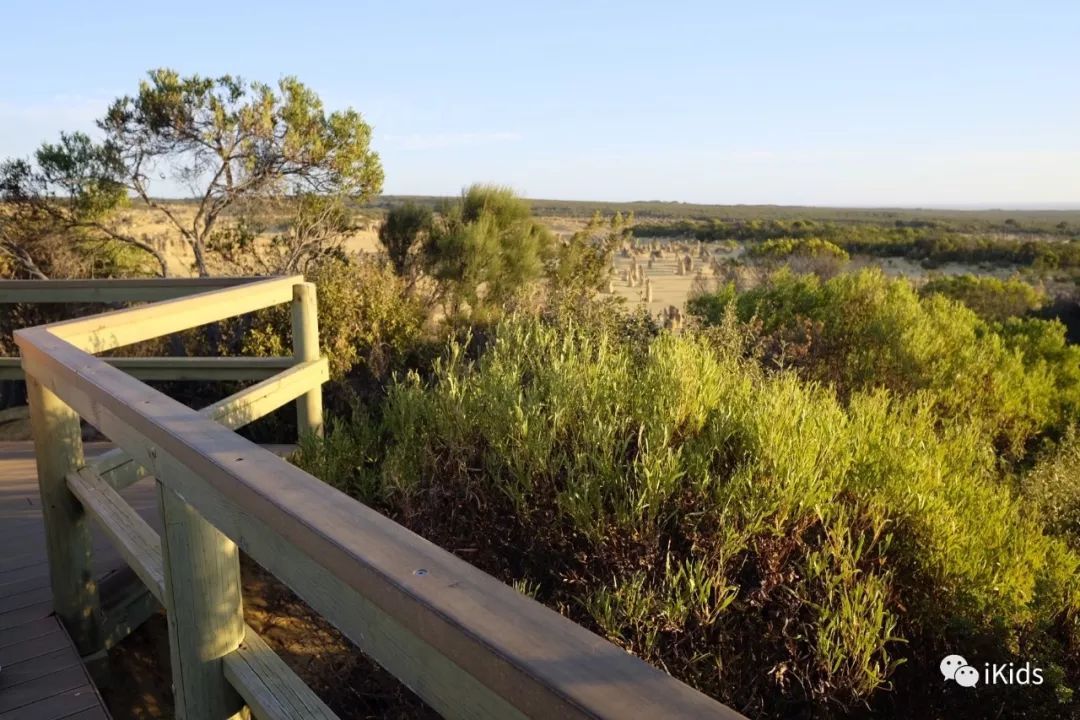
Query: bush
{"x":864,"y":331}
{"x":989,"y":297}
{"x":811,"y":254}
{"x":740,"y":528}
{"x":403,"y":233}
{"x":364,"y":318}
{"x":486,"y":250}
{"x":1053,"y":486}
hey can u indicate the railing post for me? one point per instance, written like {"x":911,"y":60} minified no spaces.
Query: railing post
{"x":59,"y":451}
{"x":204,"y":608}
{"x":305,"y":331}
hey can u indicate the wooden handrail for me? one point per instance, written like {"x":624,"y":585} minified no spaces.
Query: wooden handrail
{"x":465,"y":642}
{"x":111,"y":289}
{"x":110,"y":330}
{"x":200,"y":369}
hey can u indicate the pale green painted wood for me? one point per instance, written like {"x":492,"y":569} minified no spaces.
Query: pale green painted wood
{"x":263,"y":680}
{"x":110,"y":330}
{"x":305,"y":332}
{"x":444,"y":685}
{"x":125,"y":616}
{"x":271,"y":690}
{"x":179,"y":368}
{"x":59,"y":451}
{"x":235,"y":411}
{"x":137,"y":542}
{"x":204,"y":607}
{"x":111,"y":289}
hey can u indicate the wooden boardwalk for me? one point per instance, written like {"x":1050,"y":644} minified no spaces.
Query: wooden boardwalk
{"x":41,"y":676}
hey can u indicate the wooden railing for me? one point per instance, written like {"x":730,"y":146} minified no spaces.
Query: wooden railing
{"x":141,"y":290}
{"x":469,"y":645}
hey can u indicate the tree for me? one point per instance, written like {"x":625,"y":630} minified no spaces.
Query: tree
{"x":60,"y":202}
{"x":225,"y":139}
{"x":486,"y":248}
{"x":402,"y":233}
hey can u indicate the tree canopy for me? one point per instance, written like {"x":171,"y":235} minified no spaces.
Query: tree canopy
{"x":225,"y":139}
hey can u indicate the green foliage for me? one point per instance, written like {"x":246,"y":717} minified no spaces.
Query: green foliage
{"x":989,"y":297}
{"x":1042,"y":246}
{"x":781,"y":248}
{"x":231,"y":141}
{"x":810,"y":254}
{"x":742,"y":528}
{"x":486,"y":249}
{"x":1053,"y":486}
{"x":249,"y":140}
{"x":364,"y":318}
{"x":863,"y":331}
{"x":402,"y":234}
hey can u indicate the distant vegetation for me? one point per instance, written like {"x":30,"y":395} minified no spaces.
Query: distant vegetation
{"x":1036,"y":221}
{"x":932,"y":241}
{"x":989,"y":297}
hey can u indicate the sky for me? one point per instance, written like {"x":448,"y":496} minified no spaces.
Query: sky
{"x":904,"y":103}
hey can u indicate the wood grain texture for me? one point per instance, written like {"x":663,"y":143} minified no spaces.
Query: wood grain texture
{"x":204,"y":608}
{"x":137,"y":542}
{"x":111,"y":290}
{"x":239,"y":409}
{"x":305,"y":332}
{"x":110,"y":330}
{"x":58,"y":452}
{"x":271,"y":690}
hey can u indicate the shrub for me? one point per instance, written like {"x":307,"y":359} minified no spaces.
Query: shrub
{"x":810,"y":254}
{"x":486,"y":249}
{"x":863,"y":331}
{"x":364,"y":318}
{"x":741,"y":528}
{"x":402,"y":235}
{"x":989,"y":297}
{"x":1054,"y":488}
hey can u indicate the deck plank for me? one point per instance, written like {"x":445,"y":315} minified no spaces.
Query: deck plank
{"x":42,"y":676}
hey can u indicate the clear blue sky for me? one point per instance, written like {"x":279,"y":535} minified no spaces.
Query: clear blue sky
{"x":832,"y":103}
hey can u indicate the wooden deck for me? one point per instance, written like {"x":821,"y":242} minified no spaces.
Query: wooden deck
{"x":41,"y":676}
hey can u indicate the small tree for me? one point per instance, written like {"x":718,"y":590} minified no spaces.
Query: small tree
{"x":403,"y":233}
{"x":486,"y":248}
{"x":225,"y":139}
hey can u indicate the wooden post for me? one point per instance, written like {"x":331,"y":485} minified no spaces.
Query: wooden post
{"x":305,"y":329}
{"x":205,"y":610}
{"x":59,"y":451}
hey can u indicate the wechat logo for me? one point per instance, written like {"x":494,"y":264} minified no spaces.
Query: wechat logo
{"x":955,"y":667}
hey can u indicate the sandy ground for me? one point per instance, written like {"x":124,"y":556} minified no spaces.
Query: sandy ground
{"x":154,"y":228}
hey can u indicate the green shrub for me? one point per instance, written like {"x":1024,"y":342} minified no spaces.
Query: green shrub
{"x":486,"y":249}
{"x":802,"y":255}
{"x":797,"y":247}
{"x":403,"y":233}
{"x":990,"y":298}
{"x":741,"y":528}
{"x":864,"y":331}
{"x":1053,"y":486}
{"x":364,"y":318}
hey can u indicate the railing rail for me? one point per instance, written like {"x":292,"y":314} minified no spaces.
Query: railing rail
{"x":141,"y":290}
{"x":467,"y":644}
